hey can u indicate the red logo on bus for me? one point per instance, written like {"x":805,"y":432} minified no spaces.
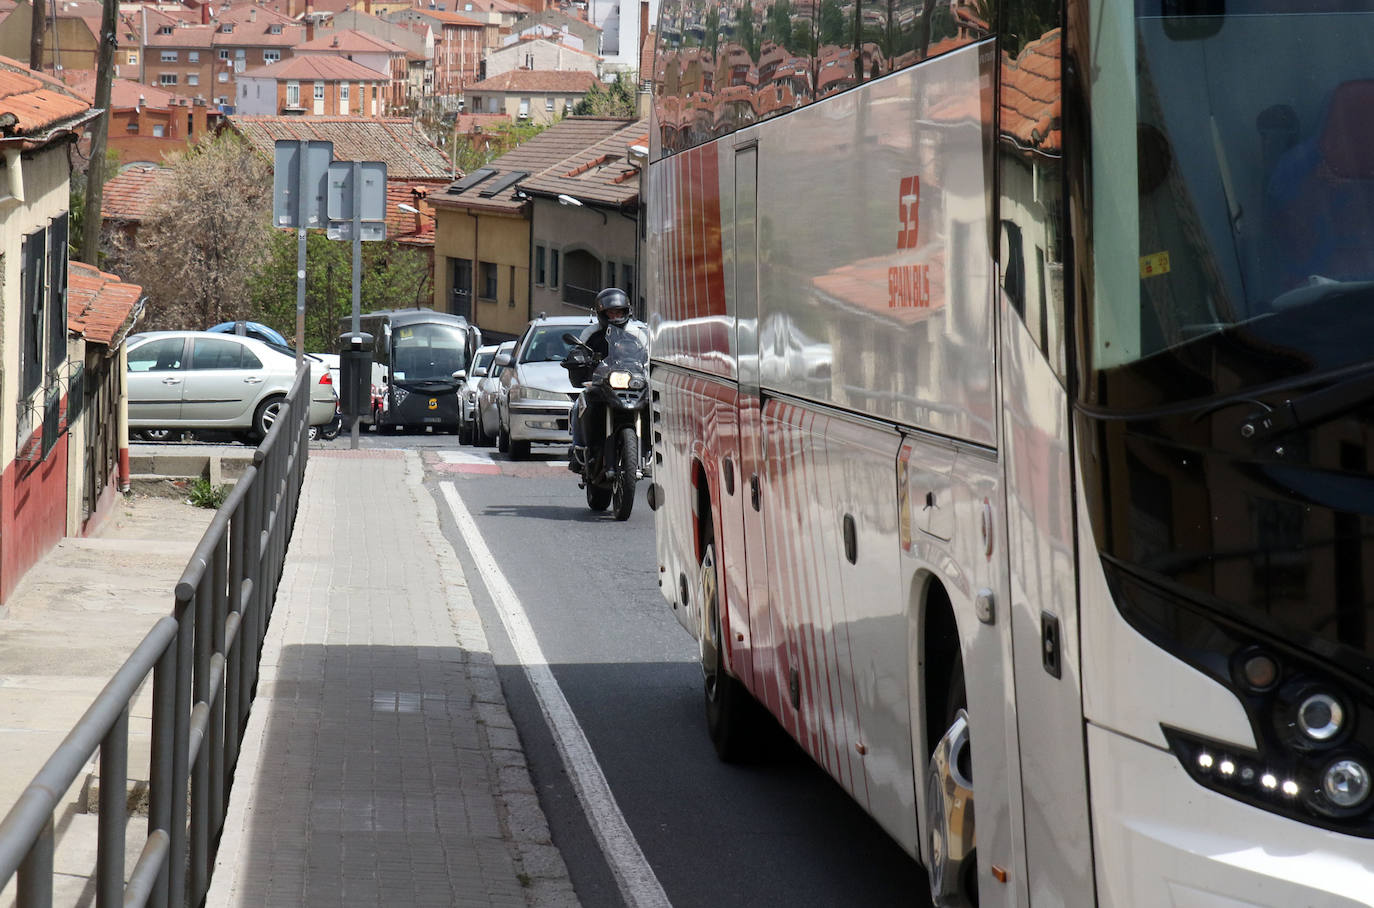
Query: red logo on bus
{"x":909,"y":213}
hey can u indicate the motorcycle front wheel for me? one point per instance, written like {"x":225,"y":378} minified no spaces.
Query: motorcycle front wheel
{"x":626,"y":473}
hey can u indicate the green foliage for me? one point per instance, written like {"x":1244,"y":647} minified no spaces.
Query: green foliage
{"x":197,"y":252}
{"x":833,"y":27}
{"x":471,"y":152}
{"x":746,"y":31}
{"x":76,"y":203}
{"x":204,"y":495}
{"x":617,"y":100}
{"x":393,"y":277}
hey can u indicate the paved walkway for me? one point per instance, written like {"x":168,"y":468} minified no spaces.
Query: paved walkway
{"x":380,"y":765}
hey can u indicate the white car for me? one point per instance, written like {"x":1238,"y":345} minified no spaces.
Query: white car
{"x":467,"y":393}
{"x":538,"y":394}
{"x":181,"y":380}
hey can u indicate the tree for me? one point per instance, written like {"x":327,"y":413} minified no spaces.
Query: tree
{"x":472,"y":151}
{"x":393,"y":276}
{"x":196,"y":254}
{"x":76,"y":205}
{"x":616,"y":101}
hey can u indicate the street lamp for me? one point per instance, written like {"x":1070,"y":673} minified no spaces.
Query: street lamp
{"x":409,"y":209}
{"x":569,"y":200}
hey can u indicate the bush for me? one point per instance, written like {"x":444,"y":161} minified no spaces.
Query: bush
{"x":204,"y":495}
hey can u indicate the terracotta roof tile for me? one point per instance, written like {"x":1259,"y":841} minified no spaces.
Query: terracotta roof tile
{"x":466,"y":123}
{"x":349,"y":41}
{"x":1030,"y":106}
{"x":646,"y":58}
{"x":408,"y":153}
{"x":318,"y":67}
{"x":568,"y":81}
{"x":39,"y":102}
{"x":132,"y":194}
{"x":600,"y":173}
{"x":123,"y":92}
{"x":447,"y":18}
{"x":401,"y":224}
{"x":100,"y":307}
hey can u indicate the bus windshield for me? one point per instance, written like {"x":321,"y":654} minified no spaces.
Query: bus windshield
{"x":427,"y":353}
{"x":1246,"y":225}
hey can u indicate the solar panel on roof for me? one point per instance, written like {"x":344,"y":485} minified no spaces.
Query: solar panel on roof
{"x":474,"y":178}
{"x":507,"y":181}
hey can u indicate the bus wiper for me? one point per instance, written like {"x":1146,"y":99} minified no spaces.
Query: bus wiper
{"x":1312,"y":408}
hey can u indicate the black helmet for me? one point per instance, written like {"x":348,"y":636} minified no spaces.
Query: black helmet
{"x":612,"y":305}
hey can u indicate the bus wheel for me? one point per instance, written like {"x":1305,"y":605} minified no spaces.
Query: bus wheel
{"x":728,"y":713}
{"x":950,"y":806}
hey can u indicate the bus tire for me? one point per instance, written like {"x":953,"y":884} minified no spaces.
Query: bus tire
{"x":950,"y":823}
{"x":731,"y":718}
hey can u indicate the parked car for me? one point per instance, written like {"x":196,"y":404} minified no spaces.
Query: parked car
{"x":467,"y":394}
{"x":489,"y":391}
{"x":538,"y":395}
{"x":182,"y":380}
{"x":255,"y":330}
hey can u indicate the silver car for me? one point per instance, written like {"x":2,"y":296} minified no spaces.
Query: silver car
{"x":489,"y":393}
{"x":538,"y":394}
{"x":201,"y":380}
{"x":467,"y":394}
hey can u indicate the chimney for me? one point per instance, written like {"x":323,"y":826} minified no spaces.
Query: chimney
{"x":205,"y":14}
{"x":309,"y":29}
{"x":335,"y":42}
{"x":367,"y":7}
{"x":643,"y":29}
{"x":198,"y":119}
{"x":253,"y":15}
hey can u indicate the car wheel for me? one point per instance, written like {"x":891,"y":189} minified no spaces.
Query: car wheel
{"x":503,"y":440}
{"x":314,"y":433}
{"x":519,"y":450}
{"x":155,"y":434}
{"x":465,"y":434}
{"x":266,"y":415}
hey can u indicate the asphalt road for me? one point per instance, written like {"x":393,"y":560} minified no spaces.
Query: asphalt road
{"x":776,"y":832}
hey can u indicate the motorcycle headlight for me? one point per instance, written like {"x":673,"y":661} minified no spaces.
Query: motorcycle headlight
{"x":619,"y":380}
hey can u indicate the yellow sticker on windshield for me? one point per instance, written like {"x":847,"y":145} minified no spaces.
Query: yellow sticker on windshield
{"x":1154,"y":265}
{"x":407,"y":333}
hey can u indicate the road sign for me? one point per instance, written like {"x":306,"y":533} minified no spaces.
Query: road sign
{"x":371,"y":232}
{"x":290,"y":186}
{"x":368,"y":197}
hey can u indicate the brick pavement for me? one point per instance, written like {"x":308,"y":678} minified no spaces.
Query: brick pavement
{"x":380,"y":766}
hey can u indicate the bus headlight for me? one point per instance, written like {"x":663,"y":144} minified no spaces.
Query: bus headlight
{"x":1346,"y":784}
{"x":1320,"y":717}
{"x":619,"y":380}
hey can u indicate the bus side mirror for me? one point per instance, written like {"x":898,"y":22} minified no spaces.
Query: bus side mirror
{"x":1192,"y":20}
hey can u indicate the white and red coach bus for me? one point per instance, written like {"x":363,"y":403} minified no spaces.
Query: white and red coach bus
{"x":1013,"y":409}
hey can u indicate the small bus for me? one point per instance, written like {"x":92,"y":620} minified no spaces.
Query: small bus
{"x":415,"y":355}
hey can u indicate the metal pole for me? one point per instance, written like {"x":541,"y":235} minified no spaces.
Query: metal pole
{"x":301,"y":208}
{"x":357,"y":273}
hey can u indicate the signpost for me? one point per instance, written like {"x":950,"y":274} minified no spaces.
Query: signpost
{"x":347,"y":198}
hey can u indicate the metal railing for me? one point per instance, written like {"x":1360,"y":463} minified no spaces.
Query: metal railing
{"x":204,"y":663}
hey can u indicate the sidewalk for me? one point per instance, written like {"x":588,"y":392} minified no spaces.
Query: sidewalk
{"x":380,"y":765}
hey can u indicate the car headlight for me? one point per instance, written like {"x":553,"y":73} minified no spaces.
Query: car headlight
{"x":619,"y":380}
{"x":520,"y":392}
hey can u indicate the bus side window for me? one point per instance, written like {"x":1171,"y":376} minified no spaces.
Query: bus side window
{"x":1030,"y":158}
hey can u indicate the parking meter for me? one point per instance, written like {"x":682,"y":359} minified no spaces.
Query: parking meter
{"x":355,"y":375}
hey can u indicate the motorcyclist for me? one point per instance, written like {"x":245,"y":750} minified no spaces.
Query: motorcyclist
{"x":612,"y":307}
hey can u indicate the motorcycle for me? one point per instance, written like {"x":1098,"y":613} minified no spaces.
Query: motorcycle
{"x":613,"y":410}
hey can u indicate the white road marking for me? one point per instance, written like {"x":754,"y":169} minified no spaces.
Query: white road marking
{"x":469,"y":457}
{"x":638,"y":884}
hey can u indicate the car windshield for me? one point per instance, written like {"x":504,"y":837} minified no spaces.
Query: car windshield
{"x":427,"y":352}
{"x":545,"y":343}
{"x":1242,"y":226}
